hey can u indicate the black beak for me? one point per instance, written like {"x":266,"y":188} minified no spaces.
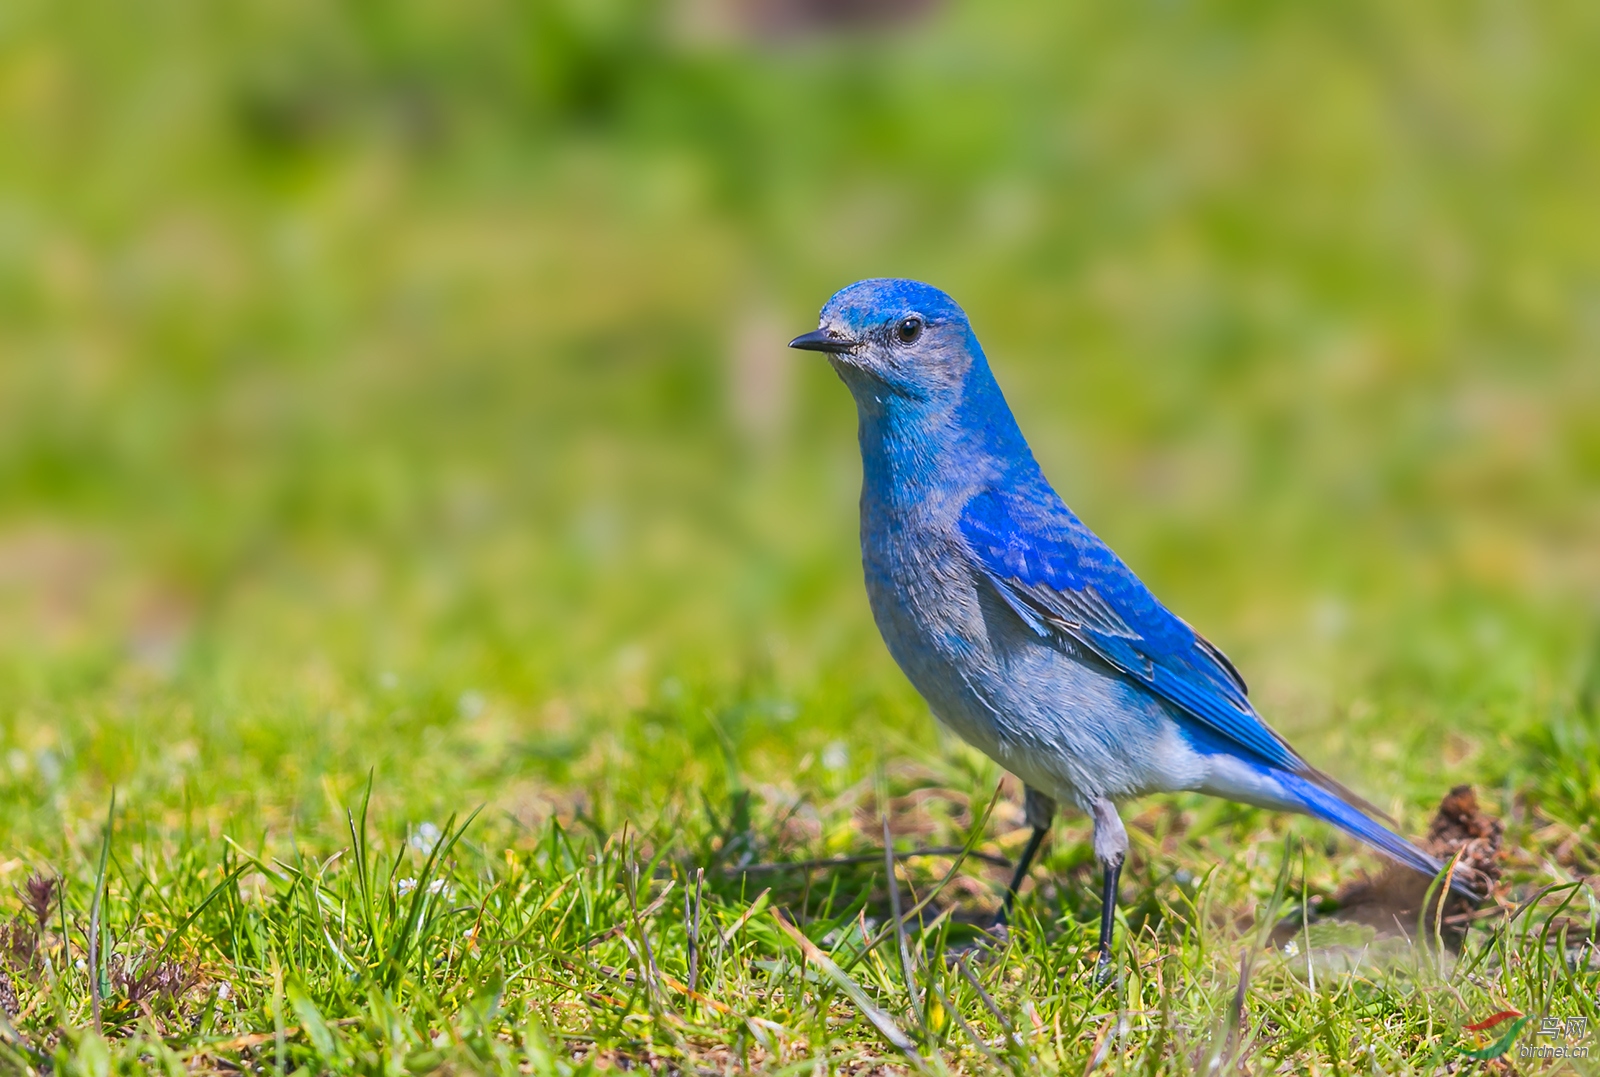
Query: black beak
{"x":823,"y":340}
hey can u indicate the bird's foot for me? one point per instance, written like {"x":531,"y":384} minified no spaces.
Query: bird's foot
{"x":1104,"y":970}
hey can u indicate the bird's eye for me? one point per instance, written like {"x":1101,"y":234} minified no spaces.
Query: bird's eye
{"x":909,"y":329}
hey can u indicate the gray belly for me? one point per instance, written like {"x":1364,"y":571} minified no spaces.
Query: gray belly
{"x":1067,"y":726}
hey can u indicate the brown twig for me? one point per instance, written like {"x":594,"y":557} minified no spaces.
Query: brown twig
{"x":1102,"y":1045}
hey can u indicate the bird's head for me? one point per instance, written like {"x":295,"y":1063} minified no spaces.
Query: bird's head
{"x":896,"y":340}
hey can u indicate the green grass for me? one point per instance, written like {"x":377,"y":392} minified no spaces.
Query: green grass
{"x":410,"y":519}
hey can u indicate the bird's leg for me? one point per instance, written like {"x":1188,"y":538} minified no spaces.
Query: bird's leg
{"x":1110,"y":848}
{"x":1039,"y":810}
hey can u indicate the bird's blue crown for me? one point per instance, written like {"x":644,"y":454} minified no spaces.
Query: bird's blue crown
{"x":867,"y":304}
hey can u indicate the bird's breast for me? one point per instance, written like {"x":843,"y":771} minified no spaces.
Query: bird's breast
{"x":925,"y":600}
{"x":1065,"y":725}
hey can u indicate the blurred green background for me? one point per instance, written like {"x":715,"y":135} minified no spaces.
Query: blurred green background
{"x":402,"y":385}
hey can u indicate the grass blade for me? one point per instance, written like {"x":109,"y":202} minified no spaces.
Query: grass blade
{"x":216,"y":891}
{"x":906,"y":971}
{"x":881,"y":1021}
{"x":96,"y":955}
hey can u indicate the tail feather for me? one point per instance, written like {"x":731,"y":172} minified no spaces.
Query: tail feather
{"x":1349,"y":796}
{"x":1322,"y":803}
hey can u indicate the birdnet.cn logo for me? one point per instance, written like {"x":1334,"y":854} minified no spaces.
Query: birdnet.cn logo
{"x":1553,"y":1037}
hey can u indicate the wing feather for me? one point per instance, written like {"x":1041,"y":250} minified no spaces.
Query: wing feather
{"x":1060,"y":578}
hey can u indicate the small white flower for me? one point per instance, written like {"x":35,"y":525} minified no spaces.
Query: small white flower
{"x":435,"y":886}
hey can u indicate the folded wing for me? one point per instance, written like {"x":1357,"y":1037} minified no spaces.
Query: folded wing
{"x":1060,"y":578}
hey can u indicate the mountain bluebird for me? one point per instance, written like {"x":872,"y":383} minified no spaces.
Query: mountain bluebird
{"x":1023,"y":631}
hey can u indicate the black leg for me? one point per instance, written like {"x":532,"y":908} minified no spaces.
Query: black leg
{"x":1034,"y":841}
{"x":1108,"y":917}
{"x":1039,"y":810}
{"x":1110,"y":848}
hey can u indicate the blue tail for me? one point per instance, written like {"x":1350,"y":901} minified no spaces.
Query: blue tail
{"x":1324,"y":805}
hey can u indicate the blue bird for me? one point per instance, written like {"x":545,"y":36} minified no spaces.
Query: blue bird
{"x":1024,"y":632}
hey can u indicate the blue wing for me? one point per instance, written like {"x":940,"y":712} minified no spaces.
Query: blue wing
{"x":1061,"y":580}
{"x":1059,"y":577}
